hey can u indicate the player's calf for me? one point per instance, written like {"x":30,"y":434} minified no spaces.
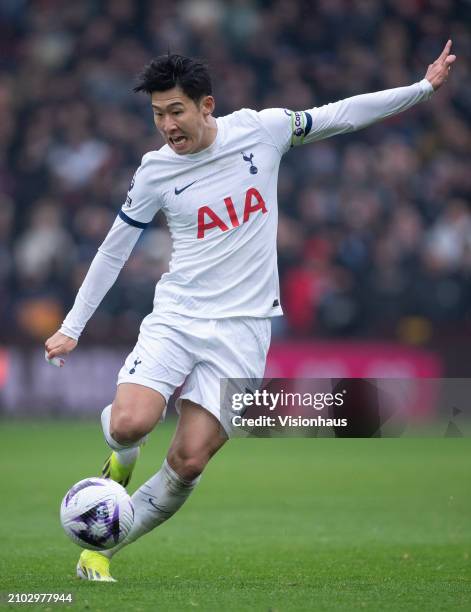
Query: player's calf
{"x":188,"y":466}
{"x":127,"y":430}
{"x":135,"y":412}
{"x":198,"y":437}
{"x":155,"y":502}
{"x":120,"y":464}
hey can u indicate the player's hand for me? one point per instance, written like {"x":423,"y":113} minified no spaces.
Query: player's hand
{"x":437,"y":73}
{"x":59,"y":345}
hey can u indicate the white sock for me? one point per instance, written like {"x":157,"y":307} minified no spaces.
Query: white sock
{"x":126,"y":453}
{"x":155,"y":502}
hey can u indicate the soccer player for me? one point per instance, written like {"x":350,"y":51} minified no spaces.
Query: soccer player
{"x":216,"y":181}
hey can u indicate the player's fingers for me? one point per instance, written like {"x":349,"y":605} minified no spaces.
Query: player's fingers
{"x":51,"y":343}
{"x":446,"y":51}
{"x":48,"y":346}
{"x":56,"y":351}
{"x":449,"y":60}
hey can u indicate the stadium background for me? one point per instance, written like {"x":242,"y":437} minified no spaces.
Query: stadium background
{"x":375,"y":227}
{"x":374,"y":255}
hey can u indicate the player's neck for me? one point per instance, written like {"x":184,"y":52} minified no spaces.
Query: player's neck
{"x":209,"y":135}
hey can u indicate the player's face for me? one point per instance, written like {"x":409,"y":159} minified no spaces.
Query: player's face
{"x":185,"y":125}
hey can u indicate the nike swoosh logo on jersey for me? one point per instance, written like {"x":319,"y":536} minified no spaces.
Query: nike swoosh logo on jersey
{"x":154,"y":505}
{"x":179,"y":191}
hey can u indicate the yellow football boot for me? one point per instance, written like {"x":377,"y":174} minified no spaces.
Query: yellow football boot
{"x":92,"y":565}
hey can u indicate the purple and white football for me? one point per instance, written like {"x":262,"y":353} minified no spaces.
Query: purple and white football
{"x":97,"y":513}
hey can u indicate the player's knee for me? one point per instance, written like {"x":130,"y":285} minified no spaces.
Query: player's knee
{"x":187,"y":464}
{"x":126,"y":427}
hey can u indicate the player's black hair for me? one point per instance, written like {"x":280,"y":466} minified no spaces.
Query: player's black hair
{"x":173,"y":70}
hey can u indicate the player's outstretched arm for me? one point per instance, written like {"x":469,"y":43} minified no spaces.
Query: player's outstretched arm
{"x":292,"y":128}
{"x":140,"y":206}
{"x":102,"y":274}
{"x":437,"y":73}
{"x":361,"y":111}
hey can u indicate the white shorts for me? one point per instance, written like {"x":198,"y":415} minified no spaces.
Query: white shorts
{"x":174,"y":350}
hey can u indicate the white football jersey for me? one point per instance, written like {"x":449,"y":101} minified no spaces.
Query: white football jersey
{"x":221,"y":208}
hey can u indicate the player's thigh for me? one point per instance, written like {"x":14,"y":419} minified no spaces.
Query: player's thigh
{"x":158,"y":364}
{"x":234,"y":361}
{"x":198,"y":436}
{"x":135,"y":411}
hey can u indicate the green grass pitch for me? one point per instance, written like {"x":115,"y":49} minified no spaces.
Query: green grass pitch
{"x":275,"y":525}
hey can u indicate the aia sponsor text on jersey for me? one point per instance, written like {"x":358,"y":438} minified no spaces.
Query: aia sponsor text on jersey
{"x":208,"y":219}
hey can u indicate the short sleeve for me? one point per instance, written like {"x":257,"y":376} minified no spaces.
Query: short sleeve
{"x":286,"y":128}
{"x":142,"y":200}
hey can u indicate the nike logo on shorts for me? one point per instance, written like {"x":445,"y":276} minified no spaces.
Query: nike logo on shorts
{"x":179,"y":191}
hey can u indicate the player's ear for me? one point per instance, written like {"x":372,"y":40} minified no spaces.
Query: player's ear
{"x":207,"y":105}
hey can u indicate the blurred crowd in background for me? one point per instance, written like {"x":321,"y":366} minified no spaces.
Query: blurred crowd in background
{"x":375,"y":227}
